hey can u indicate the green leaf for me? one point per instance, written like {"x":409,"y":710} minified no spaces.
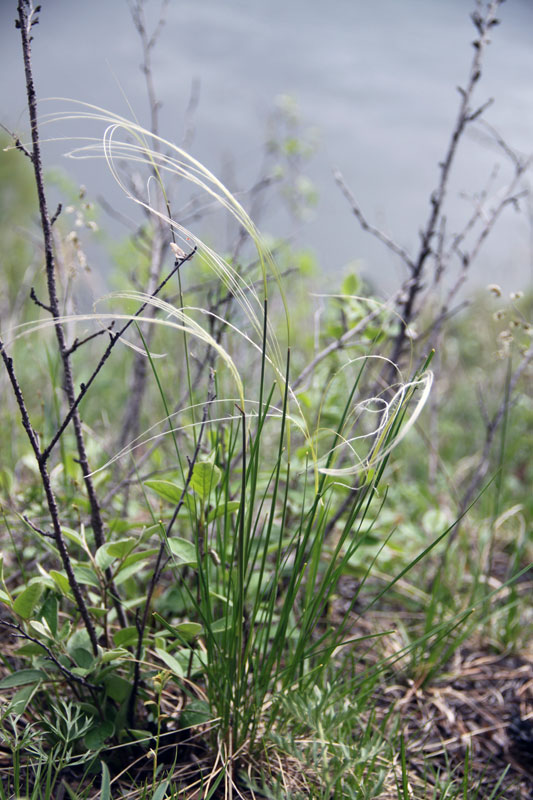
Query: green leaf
{"x":87,"y":576}
{"x":96,"y":737}
{"x":74,"y":536}
{"x":117,"y":654}
{"x":205,"y":477}
{"x":21,"y":699}
{"x":196,"y":713}
{"x":117,"y":688}
{"x":96,"y":611}
{"x":167,"y":490}
{"x":62,"y":582}
{"x":124,"y":573}
{"x":126,"y":636}
{"x":79,"y":639}
{"x":29,"y":650}
{"x":161,"y":790}
{"x":220,"y":511}
{"x":121,"y":548}
{"x":188,"y":630}
{"x":173,"y":493}
{"x":164,"y":623}
{"x":40,"y":629}
{"x":82,"y":657}
{"x":103,"y":558}
{"x":134,"y":558}
{"x":6,"y":480}
{"x":190,"y":661}
{"x":81,"y":672}
{"x":172,"y":663}
{"x":140,"y":735}
{"x":220,"y":625}
{"x":22,"y":677}
{"x":351,"y":284}
{"x":183,"y":550}
{"x":5,"y":598}
{"x":183,"y":630}
{"x":105,"y":786}
{"x":49,"y":613}
{"x":26,"y":602}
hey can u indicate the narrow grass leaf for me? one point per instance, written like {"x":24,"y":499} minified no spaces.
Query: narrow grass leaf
{"x":105,"y":791}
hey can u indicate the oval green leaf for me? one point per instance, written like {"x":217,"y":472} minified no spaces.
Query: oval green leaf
{"x":22,"y":677}
{"x":183,"y":551}
{"x":205,"y":477}
{"x":26,"y":602}
{"x":167,"y":490}
{"x":96,"y":737}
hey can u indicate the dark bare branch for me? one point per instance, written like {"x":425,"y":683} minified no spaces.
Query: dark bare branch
{"x":366,"y":226}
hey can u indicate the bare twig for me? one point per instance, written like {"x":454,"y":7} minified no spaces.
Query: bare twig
{"x":39,"y":302}
{"x":484,"y":24}
{"x":36,"y":528}
{"x":431,"y":236}
{"x":78,"y":343}
{"x":114,"y":338}
{"x":27,"y":17}
{"x":55,"y":216}
{"x":22,"y":634}
{"x":366,"y":226}
{"x":160,"y":237}
{"x":50,"y":498}
{"x":338,"y":344}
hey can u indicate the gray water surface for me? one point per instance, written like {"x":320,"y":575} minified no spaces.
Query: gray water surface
{"x":377,"y":78}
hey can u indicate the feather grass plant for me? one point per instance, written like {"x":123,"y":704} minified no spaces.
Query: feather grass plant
{"x":252,"y":564}
{"x":180,"y":633}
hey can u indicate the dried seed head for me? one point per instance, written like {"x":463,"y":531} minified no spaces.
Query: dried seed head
{"x":178,"y":252}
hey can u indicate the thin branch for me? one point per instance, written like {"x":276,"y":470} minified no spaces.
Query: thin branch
{"x":27,"y":17}
{"x":510,"y":197}
{"x":338,"y":344}
{"x":25,"y":22}
{"x":159,"y":239}
{"x":66,"y":672}
{"x":484,"y":24}
{"x":114,"y":338}
{"x":39,"y":302}
{"x":55,"y":216}
{"x":16,"y":142}
{"x":36,"y":528}
{"x":78,"y":343}
{"x":148,"y":43}
{"x":50,"y":498}
{"x":366,"y":226}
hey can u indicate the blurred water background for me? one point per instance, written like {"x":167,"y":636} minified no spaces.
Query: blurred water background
{"x":377,"y":80}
